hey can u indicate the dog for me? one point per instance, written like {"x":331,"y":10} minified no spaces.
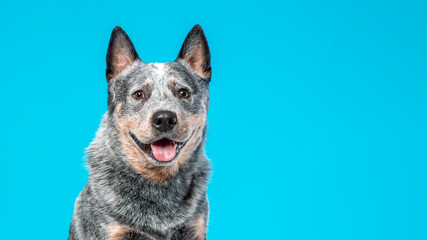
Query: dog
{"x":148,"y":170}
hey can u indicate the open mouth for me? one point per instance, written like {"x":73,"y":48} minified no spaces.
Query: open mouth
{"x":163,"y":150}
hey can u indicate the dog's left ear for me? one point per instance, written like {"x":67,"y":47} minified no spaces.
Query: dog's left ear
{"x":195,"y":52}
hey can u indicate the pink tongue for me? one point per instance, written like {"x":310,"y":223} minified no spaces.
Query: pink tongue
{"x":163,"y":150}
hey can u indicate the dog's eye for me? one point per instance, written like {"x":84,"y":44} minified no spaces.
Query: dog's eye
{"x":138,"y":95}
{"x":183,"y":93}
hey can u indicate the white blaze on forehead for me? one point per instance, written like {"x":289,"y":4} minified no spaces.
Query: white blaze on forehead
{"x":160,"y":70}
{"x":161,"y":81}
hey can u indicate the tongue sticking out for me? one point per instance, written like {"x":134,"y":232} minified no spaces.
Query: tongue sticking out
{"x":163,"y":150}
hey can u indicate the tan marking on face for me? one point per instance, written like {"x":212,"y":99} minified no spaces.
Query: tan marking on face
{"x":198,"y":121}
{"x":195,"y":60}
{"x":117,"y":231}
{"x":138,"y":160}
{"x":120,"y":61}
{"x":199,"y":227}
{"x":172,"y":80}
{"x":147,"y":81}
{"x":203,"y":105}
{"x":118,"y":108}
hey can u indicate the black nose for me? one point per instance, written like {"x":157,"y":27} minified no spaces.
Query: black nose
{"x":164,"y":120}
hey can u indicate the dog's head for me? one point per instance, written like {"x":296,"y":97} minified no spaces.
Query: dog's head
{"x":159,"y":109}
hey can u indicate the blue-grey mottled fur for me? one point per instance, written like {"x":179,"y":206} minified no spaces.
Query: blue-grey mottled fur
{"x":115,"y":192}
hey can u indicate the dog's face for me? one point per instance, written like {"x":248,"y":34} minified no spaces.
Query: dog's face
{"x":159,"y":109}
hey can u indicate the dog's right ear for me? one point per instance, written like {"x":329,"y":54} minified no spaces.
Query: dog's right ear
{"x":121,"y":53}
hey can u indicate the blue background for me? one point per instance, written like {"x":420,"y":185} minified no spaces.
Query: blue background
{"x":317,"y":123}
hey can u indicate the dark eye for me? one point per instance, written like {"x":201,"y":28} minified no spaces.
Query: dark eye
{"x":183,"y":93}
{"x":138,"y":95}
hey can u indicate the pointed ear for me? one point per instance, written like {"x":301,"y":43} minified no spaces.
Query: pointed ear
{"x":195,"y":52}
{"x":121,"y":53}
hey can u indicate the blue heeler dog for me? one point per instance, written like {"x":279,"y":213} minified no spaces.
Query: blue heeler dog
{"x":147,"y":166}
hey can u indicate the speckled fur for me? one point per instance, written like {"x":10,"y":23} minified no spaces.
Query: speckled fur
{"x":125,"y":198}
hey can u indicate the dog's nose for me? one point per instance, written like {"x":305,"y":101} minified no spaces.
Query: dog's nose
{"x":164,"y":120}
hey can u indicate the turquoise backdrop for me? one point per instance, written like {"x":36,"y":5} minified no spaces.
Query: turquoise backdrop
{"x":317,"y":123}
